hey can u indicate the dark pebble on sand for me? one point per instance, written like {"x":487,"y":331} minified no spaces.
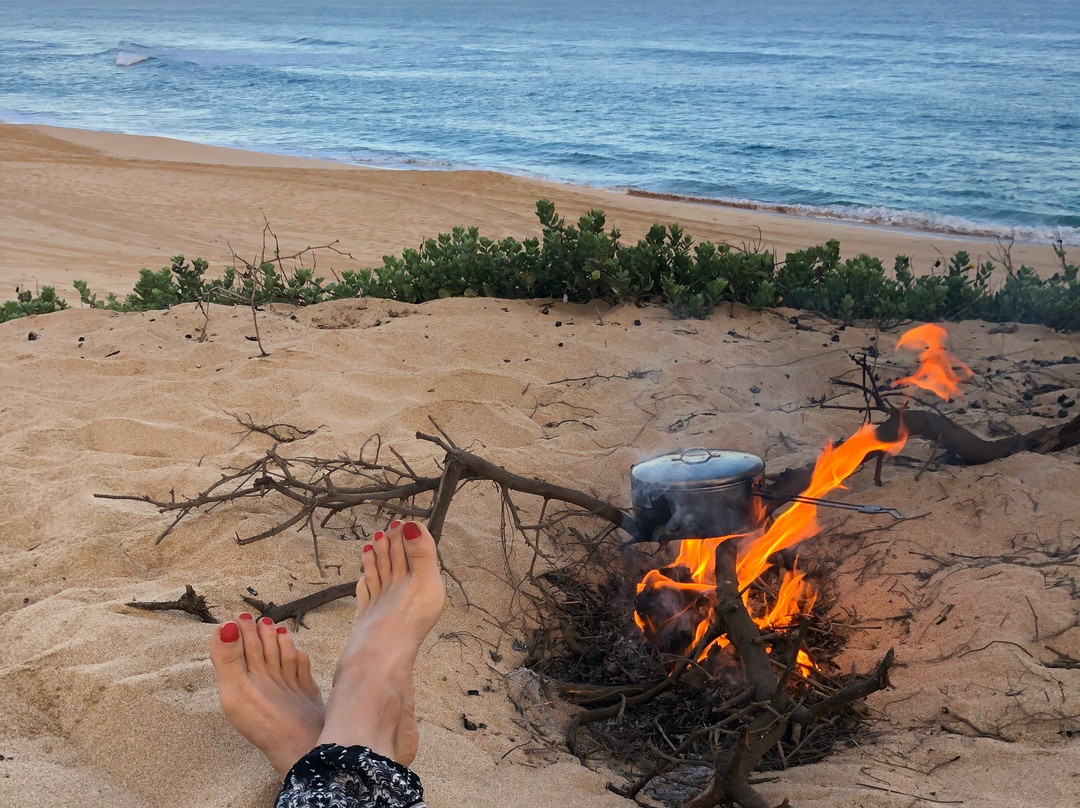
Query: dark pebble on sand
{"x":31,"y":336}
{"x":834,"y":338}
{"x":558,"y":323}
{"x":560,"y":344}
{"x":473,"y":692}
{"x":1063,"y":413}
{"x":506,"y":360}
{"x":495,"y":656}
{"x":188,"y":336}
{"x":469,"y":725}
{"x":637,"y":322}
{"x":755,"y":389}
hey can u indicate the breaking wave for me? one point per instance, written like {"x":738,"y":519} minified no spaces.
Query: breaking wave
{"x":128,"y":59}
{"x":880,"y":216}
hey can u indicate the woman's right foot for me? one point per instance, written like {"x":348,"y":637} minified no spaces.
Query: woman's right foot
{"x":399,"y":600}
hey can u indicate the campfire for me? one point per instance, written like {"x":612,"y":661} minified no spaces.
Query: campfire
{"x":685,"y":590}
{"x":676,"y":604}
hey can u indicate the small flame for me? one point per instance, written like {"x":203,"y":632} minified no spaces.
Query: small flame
{"x":936,"y":365}
{"x":695,"y":598}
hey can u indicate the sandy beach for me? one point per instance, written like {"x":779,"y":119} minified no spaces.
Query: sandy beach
{"x":103,"y":705}
{"x":98,"y":207}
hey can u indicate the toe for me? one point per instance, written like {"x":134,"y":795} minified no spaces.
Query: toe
{"x":227,"y":651}
{"x":399,"y":567}
{"x":371,"y":573}
{"x":253,"y":651}
{"x":303,"y":672}
{"x":382,"y":557}
{"x":288,"y":655}
{"x":268,"y":637}
{"x":420,"y":549}
{"x":363,"y":596}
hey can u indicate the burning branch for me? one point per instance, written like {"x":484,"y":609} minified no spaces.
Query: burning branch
{"x":739,"y":627}
{"x":937,"y":373}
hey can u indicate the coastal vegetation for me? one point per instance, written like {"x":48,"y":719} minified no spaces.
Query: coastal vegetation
{"x":587,"y":261}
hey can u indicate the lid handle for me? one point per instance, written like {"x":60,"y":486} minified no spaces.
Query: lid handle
{"x":695,"y":456}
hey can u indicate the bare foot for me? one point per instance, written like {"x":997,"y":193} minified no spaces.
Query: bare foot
{"x":399,"y":600}
{"x":266,"y":690}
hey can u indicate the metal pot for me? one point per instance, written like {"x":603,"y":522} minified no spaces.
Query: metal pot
{"x":707,"y":493}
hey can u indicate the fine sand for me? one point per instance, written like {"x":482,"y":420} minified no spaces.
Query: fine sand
{"x":97,"y":207}
{"x":103,"y":705}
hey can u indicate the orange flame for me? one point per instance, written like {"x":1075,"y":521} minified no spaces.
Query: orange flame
{"x":798,"y":522}
{"x":936,"y":365}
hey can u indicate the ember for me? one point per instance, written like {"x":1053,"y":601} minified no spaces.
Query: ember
{"x":936,"y":365}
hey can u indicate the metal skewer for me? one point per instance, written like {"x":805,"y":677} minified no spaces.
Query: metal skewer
{"x":895,"y":513}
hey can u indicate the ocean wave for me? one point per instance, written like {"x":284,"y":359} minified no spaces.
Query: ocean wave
{"x":312,"y":40}
{"x":880,"y":216}
{"x":127,"y":59}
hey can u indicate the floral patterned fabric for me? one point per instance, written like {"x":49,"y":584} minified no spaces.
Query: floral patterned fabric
{"x":332,"y":776}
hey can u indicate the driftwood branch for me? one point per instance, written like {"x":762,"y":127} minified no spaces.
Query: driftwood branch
{"x":296,"y":609}
{"x":475,"y":467}
{"x":970,"y":448}
{"x":190,"y":602}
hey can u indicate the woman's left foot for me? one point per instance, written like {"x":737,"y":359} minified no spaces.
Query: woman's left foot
{"x":266,"y":690}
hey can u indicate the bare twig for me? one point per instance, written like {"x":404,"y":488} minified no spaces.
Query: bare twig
{"x":190,"y":602}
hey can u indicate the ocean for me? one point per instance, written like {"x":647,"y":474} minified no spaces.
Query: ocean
{"x":932,"y":114}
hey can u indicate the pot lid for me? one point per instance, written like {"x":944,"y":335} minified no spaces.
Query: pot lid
{"x":692,"y":468}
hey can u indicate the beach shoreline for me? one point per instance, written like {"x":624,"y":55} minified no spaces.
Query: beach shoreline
{"x":89,"y":205}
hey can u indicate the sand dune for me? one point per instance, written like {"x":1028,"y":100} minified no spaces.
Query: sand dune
{"x":102,"y":705}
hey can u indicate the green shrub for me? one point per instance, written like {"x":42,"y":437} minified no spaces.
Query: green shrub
{"x":26,"y":304}
{"x":587,"y":261}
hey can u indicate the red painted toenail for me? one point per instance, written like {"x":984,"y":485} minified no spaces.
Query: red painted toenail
{"x":230,"y":632}
{"x":266,"y":621}
{"x":247,"y":616}
{"x":368,"y":548}
{"x":281,"y":629}
{"x":395,"y":523}
{"x":412,"y":530}
{"x":379,"y":535}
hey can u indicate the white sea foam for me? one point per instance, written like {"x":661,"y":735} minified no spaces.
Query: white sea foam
{"x":126,"y":59}
{"x":880,"y":216}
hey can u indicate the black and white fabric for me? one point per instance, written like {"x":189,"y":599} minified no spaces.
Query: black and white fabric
{"x":332,"y":776}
